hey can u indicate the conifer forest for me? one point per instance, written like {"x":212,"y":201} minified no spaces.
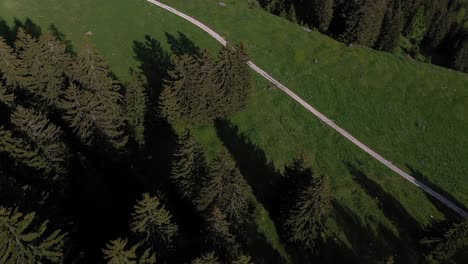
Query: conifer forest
{"x":96,"y":168}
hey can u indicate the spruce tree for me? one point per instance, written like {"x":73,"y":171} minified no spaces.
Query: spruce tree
{"x":20,"y":151}
{"x":243,"y":259}
{"x":153,"y":222}
{"x":135,"y":109}
{"x":218,"y":233}
{"x":117,"y":252}
{"x":200,"y":89}
{"x":446,"y":245}
{"x":208,"y":258}
{"x":189,"y":166}
{"x":10,"y":66}
{"x":225,"y":188}
{"x":322,"y":13}
{"x":459,"y":60}
{"x":364,"y":21}
{"x":443,"y":21}
{"x":417,"y":29}
{"x":80,"y":111}
{"x":88,"y":116}
{"x":44,"y":60}
{"x":305,"y":220}
{"x":232,"y":80}
{"x":295,"y":178}
{"x":6,"y":96}
{"x":391,"y":28}
{"x":183,"y":98}
{"x":23,"y":241}
{"x":91,"y":71}
{"x":278,"y":7}
{"x":46,"y":137}
{"x":409,"y":8}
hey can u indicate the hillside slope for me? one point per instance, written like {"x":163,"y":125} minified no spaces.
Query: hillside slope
{"x":412,"y":113}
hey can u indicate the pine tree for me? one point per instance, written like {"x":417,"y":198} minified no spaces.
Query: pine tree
{"x":44,"y":60}
{"x":391,"y":28}
{"x":218,"y":233}
{"x":460,"y":59}
{"x":24,"y":242}
{"x":6,"y":96}
{"x":232,"y":80}
{"x":189,"y":166}
{"x":443,"y":19}
{"x":80,"y":111}
{"x":201,"y":90}
{"x":295,"y":178}
{"x":364,"y":20}
{"x":117,"y":252}
{"x":206,"y":95}
{"x":446,"y":245}
{"x":417,"y":29}
{"x":208,"y":258}
{"x":45,"y":136}
{"x":278,"y":6}
{"x":305,"y":220}
{"x":20,"y":151}
{"x":205,"y":63}
{"x":153,"y":222}
{"x":291,"y":15}
{"x":10,"y":66}
{"x":91,"y":71}
{"x":243,"y":259}
{"x":409,"y":8}
{"x":88,"y":116}
{"x":322,"y":13}
{"x":183,"y":98}
{"x":135,"y":108}
{"x":225,"y":188}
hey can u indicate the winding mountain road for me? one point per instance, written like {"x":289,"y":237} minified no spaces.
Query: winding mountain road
{"x":321,"y":116}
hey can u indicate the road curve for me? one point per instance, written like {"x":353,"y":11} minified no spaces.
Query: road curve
{"x":321,"y":116}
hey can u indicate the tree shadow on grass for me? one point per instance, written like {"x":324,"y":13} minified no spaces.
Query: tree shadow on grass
{"x":371,"y":246}
{"x":256,"y":244}
{"x":389,"y":205}
{"x":9,"y":33}
{"x":253,"y":164}
{"x":332,"y":250}
{"x":159,"y":136}
{"x":181,"y":44}
{"x":449,"y":213}
{"x":61,"y":36}
{"x":161,"y":143}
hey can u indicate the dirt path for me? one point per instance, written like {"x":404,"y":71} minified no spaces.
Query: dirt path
{"x":321,"y":116}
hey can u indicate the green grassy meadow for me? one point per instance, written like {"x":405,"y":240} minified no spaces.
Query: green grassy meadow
{"x":414,"y":114}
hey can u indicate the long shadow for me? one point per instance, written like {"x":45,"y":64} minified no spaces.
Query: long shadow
{"x":181,"y":44}
{"x":10,"y":33}
{"x":61,"y":37}
{"x":253,"y":164}
{"x":154,"y":65}
{"x":371,"y":246}
{"x":449,"y":213}
{"x":161,"y":143}
{"x":100,"y":200}
{"x":259,"y":249}
{"x":389,"y":205}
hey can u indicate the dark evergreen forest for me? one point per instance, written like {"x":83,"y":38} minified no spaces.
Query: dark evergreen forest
{"x":97,"y":170}
{"x":428,"y":30}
